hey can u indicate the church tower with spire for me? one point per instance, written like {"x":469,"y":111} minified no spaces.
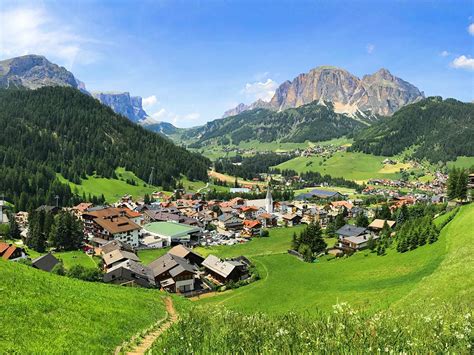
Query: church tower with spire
{"x":269,"y":200}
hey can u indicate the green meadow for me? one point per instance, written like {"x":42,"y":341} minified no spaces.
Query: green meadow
{"x":112,"y":189}
{"x":364,"y":280}
{"x":45,"y":313}
{"x":462,"y":162}
{"x":216,"y":151}
{"x":417,"y":302}
{"x":349,"y":165}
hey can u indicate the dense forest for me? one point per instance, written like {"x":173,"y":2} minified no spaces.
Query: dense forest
{"x":313,"y":122}
{"x":250,"y":167}
{"x":61,"y":130}
{"x":436,"y":129}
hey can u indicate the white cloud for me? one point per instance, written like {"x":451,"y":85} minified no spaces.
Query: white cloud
{"x":463,"y":62}
{"x":470,"y":29}
{"x":163,"y":115}
{"x":32,"y":30}
{"x":444,"y":53}
{"x":149,"y":101}
{"x":370,"y":48}
{"x":260,"y":90}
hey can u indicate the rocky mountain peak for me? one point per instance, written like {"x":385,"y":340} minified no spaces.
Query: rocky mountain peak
{"x":34,"y":71}
{"x":380,"y":93}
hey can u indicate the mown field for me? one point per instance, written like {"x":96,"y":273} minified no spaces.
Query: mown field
{"x":44,"y":313}
{"x":365,"y":280}
{"x":349,"y":165}
{"x":434,"y":316}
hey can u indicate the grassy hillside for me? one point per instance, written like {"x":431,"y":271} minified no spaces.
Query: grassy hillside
{"x":44,"y":313}
{"x":434,"y":316}
{"x":364,"y":280}
{"x":349,"y":165}
{"x":112,"y":189}
{"x":452,"y":281}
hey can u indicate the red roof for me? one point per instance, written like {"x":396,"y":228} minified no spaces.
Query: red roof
{"x":7,"y":250}
{"x":251,"y":224}
{"x":3,"y":247}
{"x":249,"y":208}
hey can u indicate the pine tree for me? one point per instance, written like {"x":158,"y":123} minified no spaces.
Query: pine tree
{"x":295,"y":242}
{"x":362,"y":220}
{"x":453,"y":179}
{"x":14,"y":230}
{"x":371,"y":244}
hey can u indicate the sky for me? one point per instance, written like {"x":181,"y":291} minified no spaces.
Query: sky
{"x":193,"y":60}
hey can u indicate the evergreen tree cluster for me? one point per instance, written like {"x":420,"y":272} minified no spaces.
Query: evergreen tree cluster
{"x":311,"y":122}
{"x":457,"y":184}
{"x":309,"y":242}
{"x":437,"y":129}
{"x":250,"y":167}
{"x":61,"y":130}
{"x":63,"y":231}
{"x":313,"y":178}
{"x":415,"y":233}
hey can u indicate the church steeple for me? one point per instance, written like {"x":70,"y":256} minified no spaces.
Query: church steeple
{"x":269,"y":200}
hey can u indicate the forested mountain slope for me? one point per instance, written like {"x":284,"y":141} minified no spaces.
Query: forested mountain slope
{"x":60,"y":130}
{"x":437,"y":129}
{"x":313,"y":122}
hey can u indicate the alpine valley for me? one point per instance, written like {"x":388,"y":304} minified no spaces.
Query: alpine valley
{"x":334,"y":217}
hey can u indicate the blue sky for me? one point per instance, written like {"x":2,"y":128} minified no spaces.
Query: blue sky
{"x":192,"y":60}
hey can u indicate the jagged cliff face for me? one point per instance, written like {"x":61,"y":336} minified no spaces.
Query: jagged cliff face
{"x":33,"y":72}
{"x":380,"y":93}
{"x":123,"y":103}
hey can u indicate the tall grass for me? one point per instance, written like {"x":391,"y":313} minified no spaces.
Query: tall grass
{"x":345,"y":330}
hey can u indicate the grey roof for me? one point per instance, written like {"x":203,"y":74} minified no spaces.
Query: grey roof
{"x":118,"y":255}
{"x":317,"y":193}
{"x":114,"y":245}
{"x":135,"y":267}
{"x":350,"y":231}
{"x":222,"y":268}
{"x":168,"y":262}
{"x":45,"y":262}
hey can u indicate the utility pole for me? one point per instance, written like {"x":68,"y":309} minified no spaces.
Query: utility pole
{"x":151,"y":179}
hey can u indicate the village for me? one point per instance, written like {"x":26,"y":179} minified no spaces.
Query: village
{"x":174,"y":227}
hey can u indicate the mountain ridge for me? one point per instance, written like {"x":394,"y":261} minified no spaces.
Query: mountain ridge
{"x":34,"y":71}
{"x":380,"y":93}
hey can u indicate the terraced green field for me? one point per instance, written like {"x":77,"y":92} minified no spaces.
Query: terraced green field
{"x":44,"y":313}
{"x":364,"y":280}
{"x":349,"y":165}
